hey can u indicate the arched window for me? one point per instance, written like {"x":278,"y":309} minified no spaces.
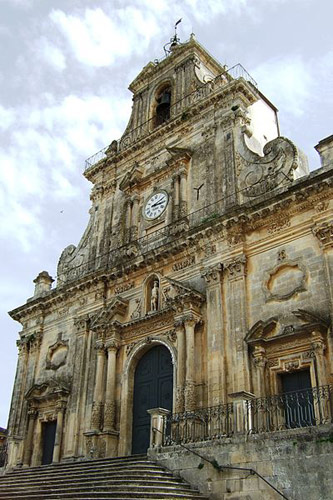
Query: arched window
{"x":163,"y":104}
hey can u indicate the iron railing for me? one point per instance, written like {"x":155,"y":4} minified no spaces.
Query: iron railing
{"x":199,"y":425}
{"x":178,"y":109}
{"x":304,"y":408}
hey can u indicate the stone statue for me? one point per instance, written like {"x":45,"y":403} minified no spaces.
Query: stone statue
{"x":154,"y":296}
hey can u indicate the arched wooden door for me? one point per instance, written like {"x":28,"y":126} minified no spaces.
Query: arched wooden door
{"x":153,"y":383}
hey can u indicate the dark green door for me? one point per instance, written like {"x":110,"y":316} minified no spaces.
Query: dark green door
{"x":298,"y":399}
{"x":49,"y":431}
{"x":153,"y":385}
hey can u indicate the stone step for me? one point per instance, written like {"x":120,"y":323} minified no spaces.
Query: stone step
{"x":82,"y":483}
{"x":89,"y":473}
{"x":89,"y":477}
{"x":83,"y":464}
{"x":120,"y":478}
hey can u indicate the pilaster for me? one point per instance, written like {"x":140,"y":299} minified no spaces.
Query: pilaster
{"x":216,"y":383}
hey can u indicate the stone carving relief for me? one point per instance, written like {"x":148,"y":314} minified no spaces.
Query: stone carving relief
{"x":324,"y":233}
{"x":57,"y":354}
{"x":284,"y":280}
{"x":260,"y":175}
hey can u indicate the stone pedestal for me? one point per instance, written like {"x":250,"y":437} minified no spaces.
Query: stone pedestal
{"x":157,"y":426}
{"x":242,"y":414}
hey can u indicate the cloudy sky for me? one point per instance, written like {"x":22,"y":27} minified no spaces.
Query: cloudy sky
{"x":65,"y":69}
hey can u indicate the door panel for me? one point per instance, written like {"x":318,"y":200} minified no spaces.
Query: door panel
{"x":298,"y":399}
{"x":49,"y":431}
{"x":153,"y":386}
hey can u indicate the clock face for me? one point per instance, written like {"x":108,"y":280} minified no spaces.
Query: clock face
{"x":155,"y":205}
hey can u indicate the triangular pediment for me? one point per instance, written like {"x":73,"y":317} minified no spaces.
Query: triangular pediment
{"x":132,"y":177}
{"x":111,"y":313}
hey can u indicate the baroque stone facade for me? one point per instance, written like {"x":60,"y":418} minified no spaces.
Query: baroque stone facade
{"x":207,"y":236}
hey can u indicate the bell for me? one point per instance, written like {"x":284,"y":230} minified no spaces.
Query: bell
{"x":163,"y":104}
{"x":165,"y":98}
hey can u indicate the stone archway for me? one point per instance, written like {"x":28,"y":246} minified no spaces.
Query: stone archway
{"x":126,"y":411}
{"x":153,"y":388}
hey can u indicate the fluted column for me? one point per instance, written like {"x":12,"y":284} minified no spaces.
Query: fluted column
{"x":181,"y":366}
{"x":260,"y":362}
{"x":237,"y":322}
{"x":318,"y":349}
{"x":189,"y":322}
{"x":98,"y":390}
{"x":175,"y":179}
{"x":128,"y":220}
{"x":32,"y":414}
{"x":112,"y":346}
{"x":182,"y":193}
{"x":59,"y":430}
{"x":134,"y":215}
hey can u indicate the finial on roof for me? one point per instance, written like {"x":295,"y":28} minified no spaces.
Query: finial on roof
{"x":174,"y":41}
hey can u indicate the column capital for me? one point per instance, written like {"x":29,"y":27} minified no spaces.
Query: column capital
{"x":236,"y":267}
{"x":113,"y":343}
{"x":212,"y":274}
{"x":100,"y":347}
{"x":324,"y":233}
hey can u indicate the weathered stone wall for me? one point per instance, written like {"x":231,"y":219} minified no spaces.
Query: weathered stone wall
{"x":297,"y":462}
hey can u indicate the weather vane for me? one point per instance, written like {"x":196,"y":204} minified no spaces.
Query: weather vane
{"x":168,"y":47}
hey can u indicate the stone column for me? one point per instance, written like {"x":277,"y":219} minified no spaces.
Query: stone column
{"x":181,"y":366}
{"x":28,"y":445}
{"x":36,"y":456}
{"x":189,"y":322}
{"x":128,"y":220}
{"x":237,"y":323}
{"x":112,"y":346}
{"x":175,"y":180}
{"x":324,"y":232}
{"x":318,"y":349}
{"x":98,"y":391}
{"x":260,"y":362}
{"x":59,"y":430}
{"x":135,"y":217}
{"x":183,"y":193}
{"x":216,"y":370}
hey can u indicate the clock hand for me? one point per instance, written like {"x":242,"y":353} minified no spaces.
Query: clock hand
{"x":157,"y":203}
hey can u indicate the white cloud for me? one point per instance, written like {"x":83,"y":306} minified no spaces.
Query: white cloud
{"x":98,"y":40}
{"x":287,"y":82}
{"x":51,"y":54}
{"x":46,"y":150}
{"x":7,"y":117}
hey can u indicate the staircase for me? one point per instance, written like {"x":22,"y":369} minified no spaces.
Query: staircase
{"x":121,"y":478}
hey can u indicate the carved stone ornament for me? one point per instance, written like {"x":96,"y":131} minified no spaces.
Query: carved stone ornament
{"x":212,"y":274}
{"x":324,"y":233}
{"x":57,"y":354}
{"x":263,"y":174}
{"x":103,"y":320}
{"x":236,"y":267}
{"x":284,"y":280}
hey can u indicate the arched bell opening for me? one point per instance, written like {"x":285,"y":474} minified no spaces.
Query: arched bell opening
{"x":162,"y":105}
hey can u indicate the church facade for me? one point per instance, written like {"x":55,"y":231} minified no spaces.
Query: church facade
{"x":203,"y":279}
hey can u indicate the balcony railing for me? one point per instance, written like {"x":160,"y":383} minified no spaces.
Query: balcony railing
{"x":178,"y":109}
{"x":304,"y":408}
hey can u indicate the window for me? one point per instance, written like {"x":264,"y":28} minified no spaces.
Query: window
{"x":163,"y":105}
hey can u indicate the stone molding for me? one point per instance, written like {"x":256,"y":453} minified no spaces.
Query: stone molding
{"x":284,"y":264}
